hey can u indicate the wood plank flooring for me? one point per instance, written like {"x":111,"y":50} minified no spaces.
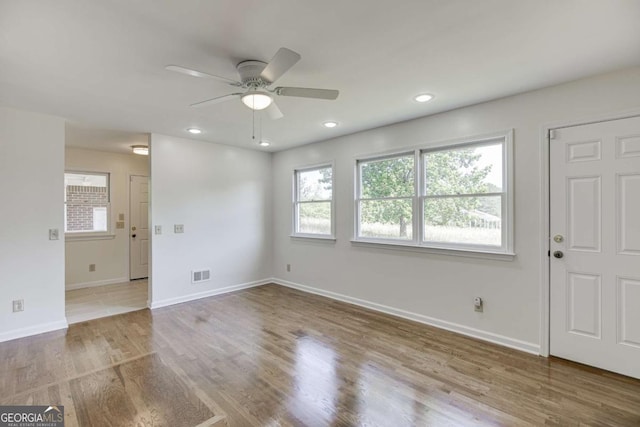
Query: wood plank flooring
{"x":272,"y":356}
{"x":106,"y":300}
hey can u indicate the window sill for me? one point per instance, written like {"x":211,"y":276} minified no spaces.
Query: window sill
{"x":313,"y":237}
{"x":467,"y":253}
{"x":87,"y":236}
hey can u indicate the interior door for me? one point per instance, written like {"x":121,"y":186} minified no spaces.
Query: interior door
{"x":139,"y":227}
{"x":595,"y":245}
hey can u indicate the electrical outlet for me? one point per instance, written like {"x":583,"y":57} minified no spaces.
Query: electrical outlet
{"x":178,"y":228}
{"x":289,"y":267}
{"x":53,"y":234}
{"x":478,"y":304}
{"x":158,"y":229}
{"x":18,"y":305}
{"x":92,"y":267}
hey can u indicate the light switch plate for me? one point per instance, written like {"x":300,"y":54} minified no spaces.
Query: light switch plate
{"x":121,"y":217}
{"x":120,"y":224}
{"x":158,"y":229}
{"x":18,"y":305}
{"x":53,"y":234}
{"x":178,"y":228}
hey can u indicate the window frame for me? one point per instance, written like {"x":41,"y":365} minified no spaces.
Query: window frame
{"x":359,"y":198}
{"x":88,"y":235}
{"x":295,"y":202}
{"x":504,"y":252}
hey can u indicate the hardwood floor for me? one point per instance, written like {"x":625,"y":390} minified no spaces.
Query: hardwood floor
{"x":106,"y":300}
{"x":272,"y":356}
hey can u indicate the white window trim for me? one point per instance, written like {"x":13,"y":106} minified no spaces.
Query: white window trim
{"x":507,"y":249}
{"x":92,"y":235}
{"x":295,"y":202}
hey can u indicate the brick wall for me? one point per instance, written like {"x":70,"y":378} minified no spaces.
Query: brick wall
{"x":81,"y":201}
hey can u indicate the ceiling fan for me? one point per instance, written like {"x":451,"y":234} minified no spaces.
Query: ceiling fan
{"x":256,"y":77}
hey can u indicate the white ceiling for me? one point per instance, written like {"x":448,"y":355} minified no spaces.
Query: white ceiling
{"x":88,"y":137}
{"x":101,"y":63}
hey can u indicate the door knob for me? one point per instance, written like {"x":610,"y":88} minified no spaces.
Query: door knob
{"x":558,"y":254}
{"x":133,"y":235}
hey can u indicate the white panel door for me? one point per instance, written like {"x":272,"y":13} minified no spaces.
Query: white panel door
{"x":139,"y":227}
{"x":595,"y":245}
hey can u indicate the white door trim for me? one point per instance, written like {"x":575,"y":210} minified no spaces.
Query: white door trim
{"x":545,"y":212}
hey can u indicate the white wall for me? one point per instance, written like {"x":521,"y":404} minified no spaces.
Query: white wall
{"x":31,"y":202}
{"x":438,"y":288}
{"x":222,"y":195}
{"x":110,"y":256}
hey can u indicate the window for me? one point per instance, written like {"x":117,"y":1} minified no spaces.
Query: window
{"x":461,"y":199}
{"x":313,"y":202}
{"x":385,"y":205}
{"x":86,"y":202}
{"x":464,"y":194}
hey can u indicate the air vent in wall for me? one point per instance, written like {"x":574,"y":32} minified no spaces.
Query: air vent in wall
{"x":200,"y":276}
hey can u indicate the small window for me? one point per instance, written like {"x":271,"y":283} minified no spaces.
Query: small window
{"x":313,"y":202}
{"x":86,"y":203}
{"x":385,"y":202}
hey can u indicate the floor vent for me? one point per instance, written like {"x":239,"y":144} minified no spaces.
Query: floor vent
{"x":200,"y":276}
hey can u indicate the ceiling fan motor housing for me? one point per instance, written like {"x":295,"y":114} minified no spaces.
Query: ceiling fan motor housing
{"x":250,"y":74}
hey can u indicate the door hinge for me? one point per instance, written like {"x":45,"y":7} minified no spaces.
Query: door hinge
{"x":552,"y":134}
{"x":549,"y":253}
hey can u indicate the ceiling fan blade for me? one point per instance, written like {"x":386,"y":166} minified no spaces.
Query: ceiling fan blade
{"x":216,"y":100}
{"x":279,"y":64}
{"x":195,"y":73}
{"x":274,"y":112}
{"x":305,"y":92}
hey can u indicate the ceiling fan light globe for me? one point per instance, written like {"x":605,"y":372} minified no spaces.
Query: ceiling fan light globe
{"x":257,"y":100}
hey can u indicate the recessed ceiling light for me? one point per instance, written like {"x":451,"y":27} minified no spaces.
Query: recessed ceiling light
{"x":194,"y":131}
{"x":264,"y":143}
{"x":424,"y":97}
{"x":330,"y":124}
{"x":143,"y":150}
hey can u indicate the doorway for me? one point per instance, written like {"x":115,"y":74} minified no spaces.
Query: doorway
{"x":99,"y":168}
{"x":594,"y":231}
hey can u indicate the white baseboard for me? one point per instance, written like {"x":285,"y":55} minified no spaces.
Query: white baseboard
{"x":205,"y":294}
{"x":33,"y":330}
{"x":74,"y":286}
{"x":443,"y":324}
